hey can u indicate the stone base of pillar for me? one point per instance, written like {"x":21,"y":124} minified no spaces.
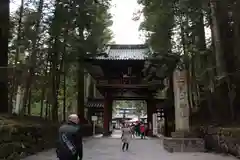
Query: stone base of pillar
{"x":105,"y":131}
{"x":150,"y":133}
{"x":182,"y":134}
{"x":106,"y":134}
{"x":183,"y":141}
{"x":183,"y":144}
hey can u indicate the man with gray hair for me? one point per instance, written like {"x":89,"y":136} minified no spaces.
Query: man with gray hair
{"x":70,"y":140}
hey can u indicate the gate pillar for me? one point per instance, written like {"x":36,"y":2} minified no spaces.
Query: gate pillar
{"x":151,"y":107}
{"x":107,"y":114}
{"x":110,"y":104}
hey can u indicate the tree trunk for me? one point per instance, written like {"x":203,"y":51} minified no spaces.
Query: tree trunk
{"x":29,"y":102}
{"x":58,"y":78}
{"x":80,"y":97}
{"x":224,"y":53}
{"x":33,"y":56}
{"x":236,"y":29}
{"x":236,"y":19}
{"x":64,"y":74}
{"x":4,"y":32}
{"x":54,"y":95}
{"x":18,"y":106}
{"x":19,"y":31}
{"x":202,"y":61}
{"x":19,"y":43}
{"x":64,"y":94}
{"x":44,"y":85}
{"x":42,"y":101}
{"x":46,"y":110}
{"x":220,"y":66}
{"x":25,"y":98}
{"x":187,"y":62}
{"x":54,"y":52}
{"x":226,"y":35}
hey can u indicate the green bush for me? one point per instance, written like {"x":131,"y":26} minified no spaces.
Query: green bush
{"x":20,"y":140}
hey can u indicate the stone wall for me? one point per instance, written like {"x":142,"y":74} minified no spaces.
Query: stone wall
{"x":222,"y":140}
{"x":183,"y":144}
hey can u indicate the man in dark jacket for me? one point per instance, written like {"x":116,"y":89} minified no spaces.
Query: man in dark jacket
{"x":70,"y":140}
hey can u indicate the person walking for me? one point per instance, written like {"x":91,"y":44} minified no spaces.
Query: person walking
{"x":142,"y":130}
{"x":133,"y":130}
{"x":146,"y":130}
{"x":126,"y":137}
{"x":69,"y":146}
{"x":137,"y":129}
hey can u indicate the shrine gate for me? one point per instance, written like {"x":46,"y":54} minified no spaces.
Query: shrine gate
{"x":122,"y":74}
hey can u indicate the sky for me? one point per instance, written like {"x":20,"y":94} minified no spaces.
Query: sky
{"x":125,"y":30}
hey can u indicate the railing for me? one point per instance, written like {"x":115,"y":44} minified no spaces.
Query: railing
{"x":155,"y":82}
{"x":120,"y":81}
{"x":102,"y":82}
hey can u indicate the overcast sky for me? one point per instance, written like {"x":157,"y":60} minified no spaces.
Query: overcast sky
{"x":124,"y":28}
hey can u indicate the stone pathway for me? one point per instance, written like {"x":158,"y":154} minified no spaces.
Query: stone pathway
{"x":110,"y":149}
{"x":117,"y":134}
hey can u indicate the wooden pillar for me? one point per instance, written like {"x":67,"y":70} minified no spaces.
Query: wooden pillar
{"x":151,"y":106}
{"x":166,"y":133}
{"x":89,"y":114}
{"x":110,"y":112}
{"x":106,"y":114}
{"x":169,"y":110}
{"x":169,"y":123}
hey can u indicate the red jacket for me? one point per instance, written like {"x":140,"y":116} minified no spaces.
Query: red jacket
{"x":142,"y":128}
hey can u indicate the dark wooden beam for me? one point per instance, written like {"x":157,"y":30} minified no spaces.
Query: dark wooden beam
{"x":124,"y":86}
{"x":116,"y":67}
{"x":130,"y":98}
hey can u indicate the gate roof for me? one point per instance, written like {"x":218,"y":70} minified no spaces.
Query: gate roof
{"x":125,"y":52}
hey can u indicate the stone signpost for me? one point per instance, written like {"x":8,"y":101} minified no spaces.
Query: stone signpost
{"x":180,"y":140}
{"x":181,"y":101}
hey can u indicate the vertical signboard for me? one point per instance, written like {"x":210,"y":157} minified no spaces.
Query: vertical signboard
{"x":155,"y":123}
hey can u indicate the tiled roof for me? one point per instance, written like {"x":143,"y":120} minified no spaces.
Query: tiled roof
{"x":125,"y":52}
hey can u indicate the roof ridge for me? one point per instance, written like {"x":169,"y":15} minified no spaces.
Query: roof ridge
{"x":128,"y":46}
{"x":125,"y":52}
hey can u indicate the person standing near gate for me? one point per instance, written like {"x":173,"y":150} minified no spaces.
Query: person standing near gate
{"x":137,"y":129}
{"x":69,"y":145}
{"x":133,"y":130}
{"x":126,"y":137}
{"x":142,"y":130}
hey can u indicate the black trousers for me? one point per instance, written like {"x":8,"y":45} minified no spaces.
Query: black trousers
{"x":125,"y":146}
{"x":142,"y":135}
{"x":61,"y":158}
{"x":75,"y":157}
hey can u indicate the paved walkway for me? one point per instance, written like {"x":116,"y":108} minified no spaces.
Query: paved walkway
{"x":150,"y":149}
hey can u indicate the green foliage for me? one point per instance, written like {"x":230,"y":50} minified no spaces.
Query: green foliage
{"x":158,"y":24}
{"x":140,"y":106}
{"x":68,"y":30}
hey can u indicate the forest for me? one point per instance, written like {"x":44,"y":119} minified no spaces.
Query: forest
{"x":48,"y":41}
{"x":206,"y":36}
{"x":44,"y":43}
